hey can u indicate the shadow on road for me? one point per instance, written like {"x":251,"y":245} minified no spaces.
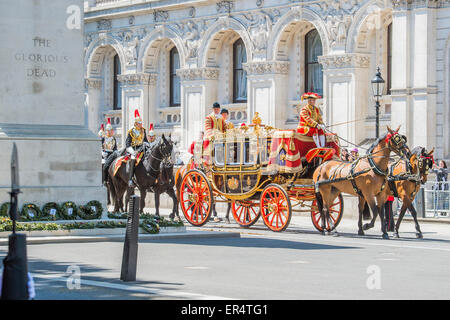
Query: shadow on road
{"x":253,"y":243}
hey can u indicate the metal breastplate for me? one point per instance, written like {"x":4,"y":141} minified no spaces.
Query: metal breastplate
{"x":109,"y":143}
{"x":137,"y":138}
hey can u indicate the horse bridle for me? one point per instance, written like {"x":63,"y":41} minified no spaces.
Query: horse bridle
{"x":165,"y":156}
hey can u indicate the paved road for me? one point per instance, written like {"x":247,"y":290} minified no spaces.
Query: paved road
{"x":296,"y":264}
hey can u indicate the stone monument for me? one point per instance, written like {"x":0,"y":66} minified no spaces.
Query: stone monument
{"x":42,"y":104}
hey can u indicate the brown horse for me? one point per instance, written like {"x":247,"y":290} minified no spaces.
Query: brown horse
{"x":364,"y":177}
{"x":405,"y":179}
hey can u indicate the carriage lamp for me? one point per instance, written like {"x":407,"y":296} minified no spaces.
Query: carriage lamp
{"x":377,"y":90}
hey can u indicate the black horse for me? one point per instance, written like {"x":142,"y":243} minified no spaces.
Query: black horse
{"x":165,"y":183}
{"x":145,"y":175}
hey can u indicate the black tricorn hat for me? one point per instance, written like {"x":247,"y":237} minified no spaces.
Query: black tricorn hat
{"x":216,"y":105}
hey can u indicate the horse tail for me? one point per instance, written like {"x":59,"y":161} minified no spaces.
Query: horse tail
{"x":178,"y":178}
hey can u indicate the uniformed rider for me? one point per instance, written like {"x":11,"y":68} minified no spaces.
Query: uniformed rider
{"x":151,"y":134}
{"x":109,"y":146}
{"x":136,"y":137}
{"x":311,"y":123}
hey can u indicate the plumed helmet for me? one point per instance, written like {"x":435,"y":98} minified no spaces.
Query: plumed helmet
{"x":216,"y":105}
{"x":101,"y":132}
{"x":151,"y":132}
{"x":137,"y":117}
{"x":108,"y":125}
{"x":310,"y":95}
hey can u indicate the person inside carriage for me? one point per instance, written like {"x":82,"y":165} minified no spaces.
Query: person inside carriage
{"x":228,"y":123}
{"x":134,"y":143}
{"x":311,"y":123}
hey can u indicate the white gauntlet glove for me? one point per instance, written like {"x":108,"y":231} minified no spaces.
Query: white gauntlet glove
{"x":132,"y":152}
{"x":321,"y":126}
{"x":104,"y":154}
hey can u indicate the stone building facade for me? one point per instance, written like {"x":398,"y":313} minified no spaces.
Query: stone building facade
{"x":173,"y":59}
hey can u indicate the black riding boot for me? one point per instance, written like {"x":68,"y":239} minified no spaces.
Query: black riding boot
{"x":131,"y":170}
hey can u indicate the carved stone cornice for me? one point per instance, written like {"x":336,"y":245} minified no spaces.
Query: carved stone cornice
{"x":350,"y":60}
{"x":104,"y":24}
{"x":417,"y":4}
{"x":138,"y":78}
{"x":198,"y":73}
{"x":225,"y":6}
{"x":267,"y":67}
{"x":93,"y":83}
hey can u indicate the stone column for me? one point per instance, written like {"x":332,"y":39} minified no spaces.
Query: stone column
{"x":198,"y":92}
{"x":423,"y":59}
{"x":400,"y":67}
{"x":267,"y":83}
{"x":414,"y":71}
{"x":138,"y":92}
{"x":94,"y":88}
{"x":345,"y":93}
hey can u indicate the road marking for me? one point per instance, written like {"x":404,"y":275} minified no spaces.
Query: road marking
{"x":134,"y":288}
{"x":197,"y":268}
{"x":298,"y":261}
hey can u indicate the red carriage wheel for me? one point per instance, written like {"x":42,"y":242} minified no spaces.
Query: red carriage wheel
{"x":245,"y":212}
{"x":336,"y":213}
{"x":196,"y":198}
{"x":275,"y":207}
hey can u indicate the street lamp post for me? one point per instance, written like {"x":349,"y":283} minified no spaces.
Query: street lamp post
{"x":377,"y":90}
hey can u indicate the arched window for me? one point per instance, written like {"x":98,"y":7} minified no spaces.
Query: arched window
{"x":117,"y":103}
{"x":175,"y":88}
{"x":389,"y":59}
{"x":313,"y":69}
{"x":239,"y":74}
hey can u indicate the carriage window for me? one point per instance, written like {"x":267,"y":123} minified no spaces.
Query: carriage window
{"x":219,"y":154}
{"x":233,"y":153}
{"x":265,"y":150}
{"x":249,"y":157}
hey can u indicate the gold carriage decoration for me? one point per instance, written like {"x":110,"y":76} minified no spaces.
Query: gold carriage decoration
{"x":238,"y":168}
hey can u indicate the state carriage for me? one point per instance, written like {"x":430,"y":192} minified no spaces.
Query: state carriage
{"x":261,"y":172}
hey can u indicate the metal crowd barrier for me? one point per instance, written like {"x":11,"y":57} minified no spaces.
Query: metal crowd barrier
{"x":437,"y":199}
{"x":432,"y":201}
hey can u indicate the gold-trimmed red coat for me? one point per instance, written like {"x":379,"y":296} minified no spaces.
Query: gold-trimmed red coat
{"x":211,"y":124}
{"x":310,"y":117}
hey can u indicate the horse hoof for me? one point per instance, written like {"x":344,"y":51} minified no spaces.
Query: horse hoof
{"x":419,"y":235}
{"x":360,"y":233}
{"x":366,"y":226}
{"x":385,"y":236}
{"x":396,"y":235}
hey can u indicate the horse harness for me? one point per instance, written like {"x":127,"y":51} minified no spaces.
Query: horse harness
{"x":397,"y":140}
{"x":404,"y":176}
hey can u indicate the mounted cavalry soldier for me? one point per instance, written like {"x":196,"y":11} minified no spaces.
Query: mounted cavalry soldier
{"x":109,"y":146}
{"x":136,"y":137}
{"x":311,"y":123}
{"x":151,"y":134}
